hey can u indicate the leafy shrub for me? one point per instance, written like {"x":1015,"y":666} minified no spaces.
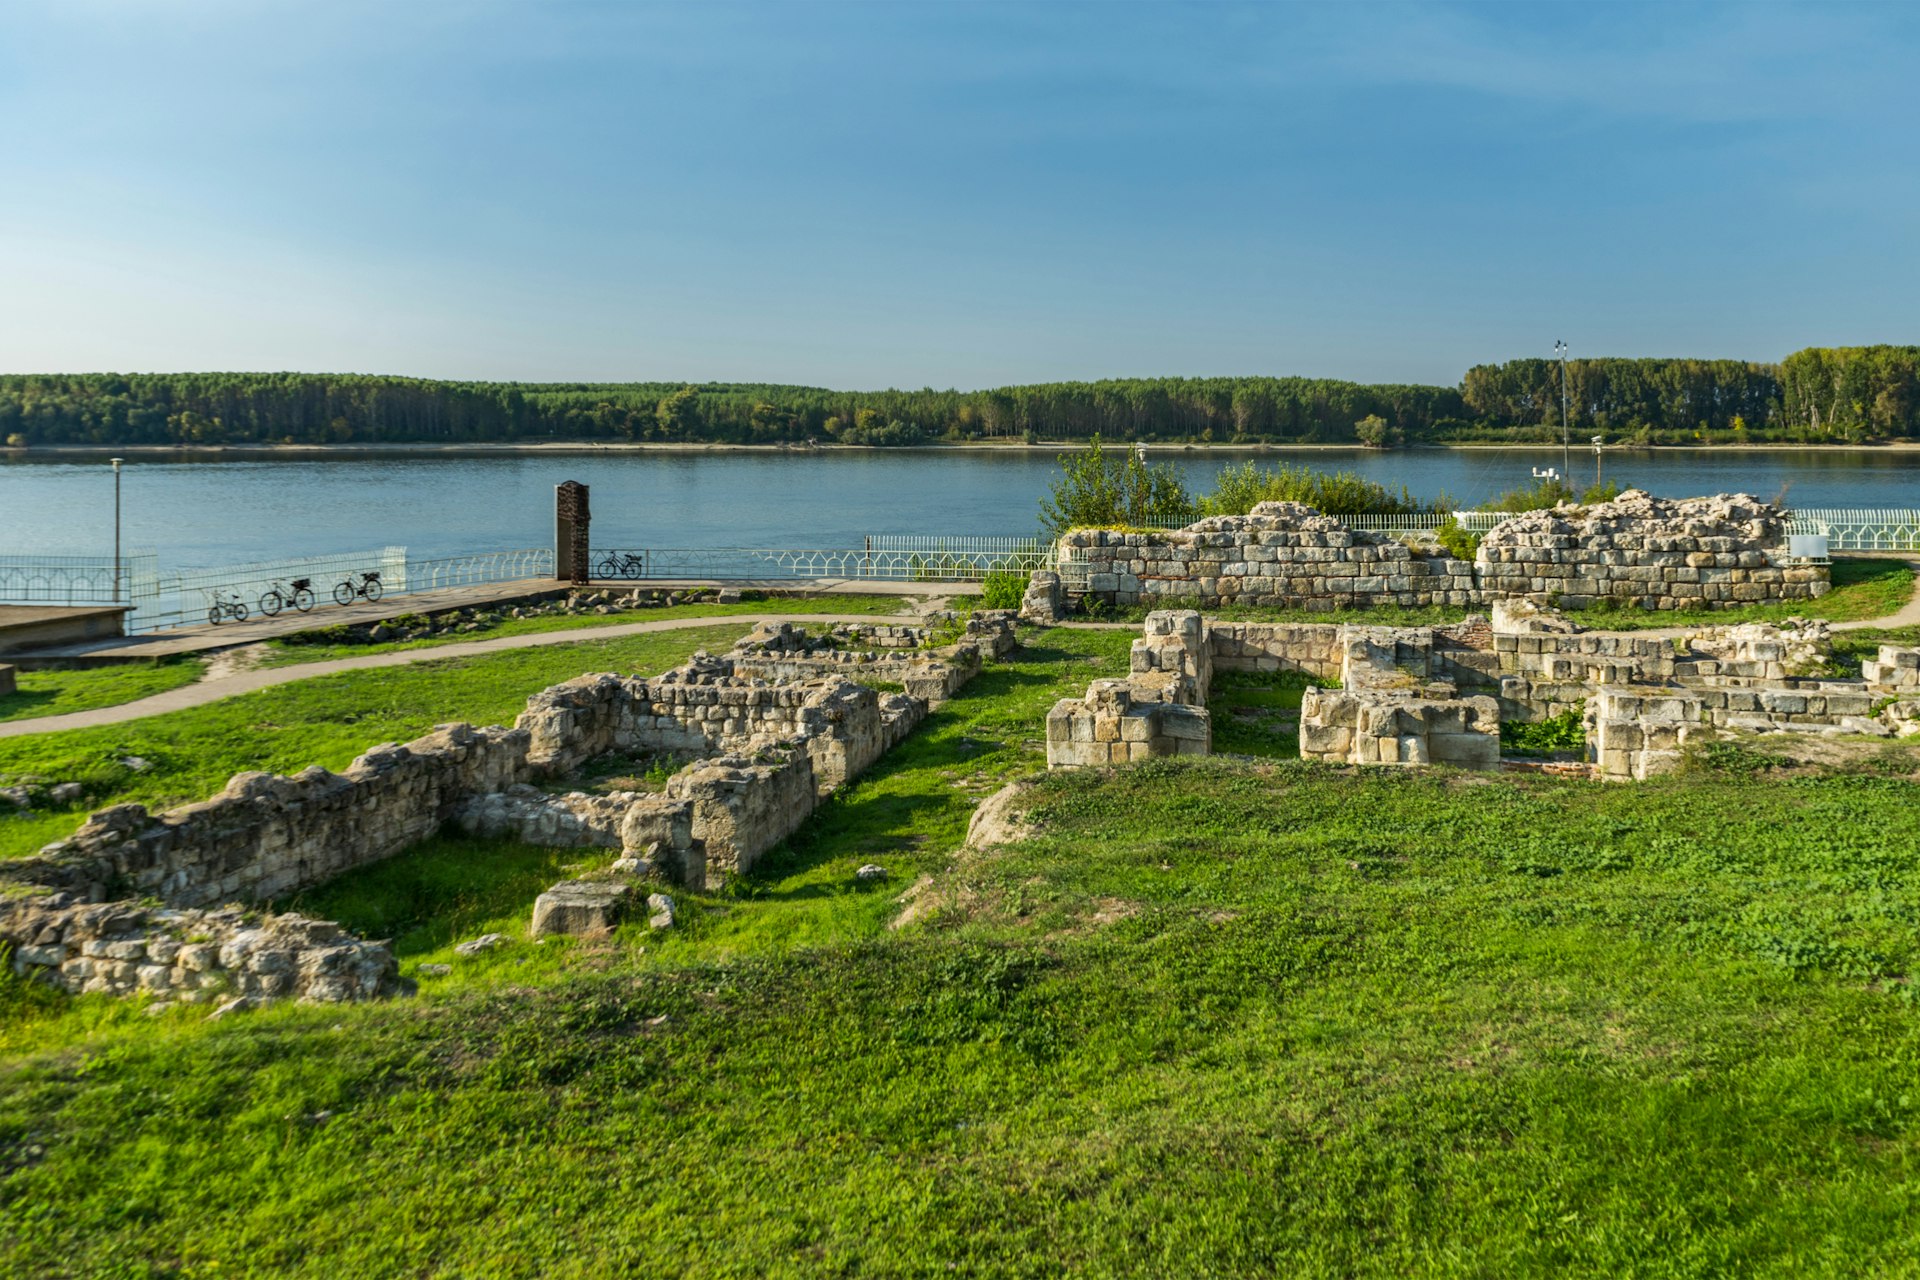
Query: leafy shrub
{"x":1099,"y":490}
{"x":1459,"y":542}
{"x":1564,"y":732}
{"x":1551,"y":493}
{"x":1239,"y":488}
{"x":1003,"y":589}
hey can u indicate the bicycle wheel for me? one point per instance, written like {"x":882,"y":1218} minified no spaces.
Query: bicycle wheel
{"x":239,"y":612}
{"x":608,"y":568}
{"x":303,"y":599}
{"x":271,"y":603}
{"x":372,"y":589}
{"x":636,"y":568}
{"x":213,"y":616}
{"x":343,"y":594}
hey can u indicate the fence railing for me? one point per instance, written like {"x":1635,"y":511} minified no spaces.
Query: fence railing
{"x":78,"y":580}
{"x":483,"y":567}
{"x":1861,"y":529}
{"x":182,"y":597}
{"x":880,"y":559}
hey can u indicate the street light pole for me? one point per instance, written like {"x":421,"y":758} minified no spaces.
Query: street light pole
{"x":1566,"y":440}
{"x":116,"y":527}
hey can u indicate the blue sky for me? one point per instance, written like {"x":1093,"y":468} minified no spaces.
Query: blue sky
{"x":871,"y":194}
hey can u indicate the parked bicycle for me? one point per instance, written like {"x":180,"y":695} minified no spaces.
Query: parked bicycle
{"x":621,"y":564}
{"x":298,"y":593}
{"x":225,"y":604}
{"x":364,"y":585}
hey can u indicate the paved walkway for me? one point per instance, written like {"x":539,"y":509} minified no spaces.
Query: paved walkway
{"x":178,"y":641}
{"x":212,"y":690}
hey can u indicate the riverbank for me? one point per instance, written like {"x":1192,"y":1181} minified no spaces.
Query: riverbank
{"x":257,"y":452}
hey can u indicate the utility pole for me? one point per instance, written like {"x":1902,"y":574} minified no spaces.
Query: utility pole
{"x":1566,"y":439}
{"x":116,"y":527}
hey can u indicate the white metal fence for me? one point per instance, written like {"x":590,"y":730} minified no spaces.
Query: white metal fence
{"x":182,"y":597}
{"x":888,"y":558}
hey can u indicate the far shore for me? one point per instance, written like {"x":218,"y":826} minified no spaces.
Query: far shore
{"x":537,"y":447}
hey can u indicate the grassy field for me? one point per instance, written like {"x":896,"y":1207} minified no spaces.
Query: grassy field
{"x":327,"y":720}
{"x":319,"y":645}
{"x":1208,"y":1018}
{"x":55,"y":693}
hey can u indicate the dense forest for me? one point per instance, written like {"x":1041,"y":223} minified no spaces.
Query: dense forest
{"x":1820,"y":395}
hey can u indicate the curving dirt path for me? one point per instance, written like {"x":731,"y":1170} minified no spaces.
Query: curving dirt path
{"x":226,"y":686}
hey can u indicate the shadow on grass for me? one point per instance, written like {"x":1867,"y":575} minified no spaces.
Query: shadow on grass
{"x":20,"y":704}
{"x":440,"y":890}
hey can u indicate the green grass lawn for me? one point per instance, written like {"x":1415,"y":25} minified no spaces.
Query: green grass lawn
{"x":1209,"y":1018}
{"x":327,"y":720}
{"x":316,"y":647}
{"x":55,"y":693}
{"x":1257,"y":713}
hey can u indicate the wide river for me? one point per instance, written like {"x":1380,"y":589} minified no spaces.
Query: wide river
{"x":219,"y":510}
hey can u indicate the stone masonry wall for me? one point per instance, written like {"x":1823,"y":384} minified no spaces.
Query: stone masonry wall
{"x":1649,"y":553}
{"x":1283,"y":554}
{"x":1158,"y":710}
{"x":1895,"y":669}
{"x":123,"y":948}
{"x":265,"y":836}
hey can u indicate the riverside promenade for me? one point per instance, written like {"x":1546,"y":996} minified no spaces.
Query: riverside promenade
{"x":203,"y":638}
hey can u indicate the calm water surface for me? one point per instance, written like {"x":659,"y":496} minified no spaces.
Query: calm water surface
{"x":215,"y":511}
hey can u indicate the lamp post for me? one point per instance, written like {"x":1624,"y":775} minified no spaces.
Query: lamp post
{"x":116,"y":527}
{"x":1566,"y":441}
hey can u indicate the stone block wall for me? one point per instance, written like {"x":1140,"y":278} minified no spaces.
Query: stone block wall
{"x":1310,"y":648}
{"x":1172,"y":659}
{"x":265,"y":836}
{"x":1045,"y":601}
{"x":1372,"y":726}
{"x":1895,"y":669}
{"x":123,"y":948}
{"x":1651,"y":553}
{"x":741,"y":808}
{"x":1635,"y":734}
{"x":1111,"y":726}
{"x":1283,"y":554}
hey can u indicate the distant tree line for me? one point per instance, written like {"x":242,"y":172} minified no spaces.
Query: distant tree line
{"x":1816,"y":395}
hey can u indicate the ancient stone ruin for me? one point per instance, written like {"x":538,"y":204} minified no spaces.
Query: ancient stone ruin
{"x":172,"y":904}
{"x":1438,"y":695}
{"x":1638,"y":551}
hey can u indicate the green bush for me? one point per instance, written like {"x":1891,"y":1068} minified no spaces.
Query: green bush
{"x":1460,"y":542}
{"x":1003,"y":589}
{"x":1100,"y":490}
{"x":1564,"y":732}
{"x":1551,"y":493}
{"x":1239,"y":488}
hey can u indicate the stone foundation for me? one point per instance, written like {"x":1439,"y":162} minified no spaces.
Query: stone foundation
{"x":1438,"y":695}
{"x":773,"y":752}
{"x":123,"y":948}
